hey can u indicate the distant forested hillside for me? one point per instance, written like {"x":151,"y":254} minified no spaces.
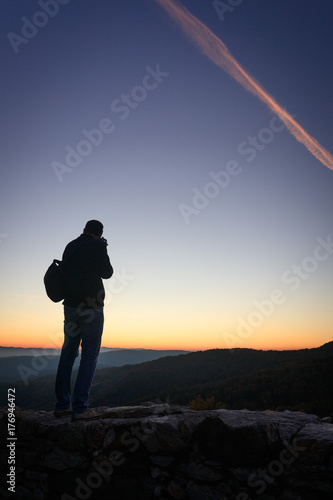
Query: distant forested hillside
{"x":30,"y":364}
{"x":239,"y":378}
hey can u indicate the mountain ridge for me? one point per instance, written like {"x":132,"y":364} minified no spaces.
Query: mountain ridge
{"x":218,"y":372}
{"x":14,"y":368}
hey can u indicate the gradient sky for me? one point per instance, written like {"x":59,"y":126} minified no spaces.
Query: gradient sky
{"x":192,"y":271}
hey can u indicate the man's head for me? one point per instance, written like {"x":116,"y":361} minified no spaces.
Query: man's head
{"x":94,"y":227}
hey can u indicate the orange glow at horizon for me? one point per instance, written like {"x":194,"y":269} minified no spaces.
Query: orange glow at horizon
{"x":191,"y":327}
{"x":269,"y":339}
{"x":216,"y":51}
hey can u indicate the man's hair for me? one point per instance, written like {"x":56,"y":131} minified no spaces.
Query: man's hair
{"x":94,"y":227}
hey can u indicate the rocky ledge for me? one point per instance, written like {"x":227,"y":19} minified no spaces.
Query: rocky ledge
{"x":161,"y":451}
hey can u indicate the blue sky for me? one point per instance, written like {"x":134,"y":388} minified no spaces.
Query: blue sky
{"x":180,"y":282}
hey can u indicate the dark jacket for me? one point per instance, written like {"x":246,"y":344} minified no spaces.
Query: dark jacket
{"x":88,"y":262}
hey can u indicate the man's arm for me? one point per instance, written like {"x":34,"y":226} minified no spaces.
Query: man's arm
{"x":106,"y":270}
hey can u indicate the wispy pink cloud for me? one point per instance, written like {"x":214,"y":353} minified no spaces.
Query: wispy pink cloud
{"x":210,"y":45}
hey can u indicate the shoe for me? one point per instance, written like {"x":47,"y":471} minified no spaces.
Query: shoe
{"x":62,"y":413}
{"x":90,"y":414}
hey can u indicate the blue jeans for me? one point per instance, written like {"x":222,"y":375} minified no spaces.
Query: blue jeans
{"x":83,"y":326}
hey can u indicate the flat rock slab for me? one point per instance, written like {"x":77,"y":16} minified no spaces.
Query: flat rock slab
{"x":165,"y":451}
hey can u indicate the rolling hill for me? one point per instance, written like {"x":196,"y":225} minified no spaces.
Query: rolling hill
{"x":30,"y":364}
{"x":241,"y":378}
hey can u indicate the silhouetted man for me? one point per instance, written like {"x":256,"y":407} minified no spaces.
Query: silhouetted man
{"x":85,"y":262}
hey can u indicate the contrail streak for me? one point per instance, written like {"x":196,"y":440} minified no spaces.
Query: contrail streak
{"x":217,"y":51}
